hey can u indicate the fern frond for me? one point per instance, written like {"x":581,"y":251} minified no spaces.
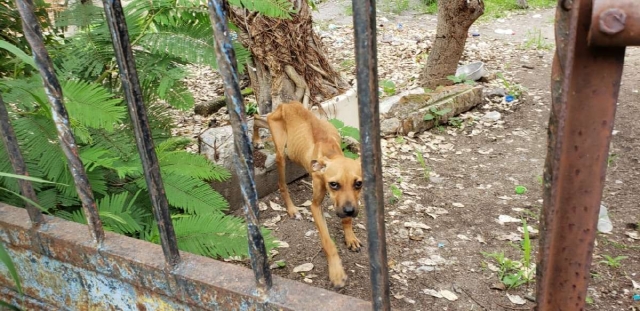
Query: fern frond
{"x":80,"y":15}
{"x":214,"y":235}
{"x":189,"y":164}
{"x":272,"y":8}
{"x":190,"y":194}
{"x":92,"y":105}
{"x":117,"y":212}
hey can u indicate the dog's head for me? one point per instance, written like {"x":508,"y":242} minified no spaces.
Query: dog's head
{"x":342,"y":177}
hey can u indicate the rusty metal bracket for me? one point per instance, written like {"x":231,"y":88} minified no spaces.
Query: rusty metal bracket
{"x":33,"y":34}
{"x":364,"y":20}
{"x":615,"y":23}
{"x":585,"y":82}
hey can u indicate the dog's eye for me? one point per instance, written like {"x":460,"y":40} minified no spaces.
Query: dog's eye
{"x":357,"y":184}
{"x":334,"y":185}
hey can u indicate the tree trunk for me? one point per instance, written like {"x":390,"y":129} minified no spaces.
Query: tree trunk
{"x":522,"y":4}
{"x":454,"y":19}
{"x":289,"y":60}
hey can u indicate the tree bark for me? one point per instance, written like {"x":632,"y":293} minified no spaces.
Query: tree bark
{"x":455,"y":17}
{"x":289,"y":60}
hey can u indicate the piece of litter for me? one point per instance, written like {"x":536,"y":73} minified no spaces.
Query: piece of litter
{"x":306,"y":203}
{"x":463,"y":237}
{"x":537,"y":16}
{"x":481,"y":239}
{"x":305,"y":267}
{"x":633,"y":234}
{"x":513,"y":237}
{"x":281,"y":244}
{"x":448,"y":295}
{"x":415,"y":225}
{"x":432,"y":292}
{"x":604,"y":222}
{"x":502,"y":219}
{"x":276,"y":206}
{"x":636,"y":285}
{"x":262,"y":206}
{"x":493,"y":267}
{"x":516,"y":299}
{"x":504,"y":31}
{"x":455,"y":204}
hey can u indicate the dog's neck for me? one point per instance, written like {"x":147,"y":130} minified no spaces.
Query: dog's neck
{"x":328,"y":148}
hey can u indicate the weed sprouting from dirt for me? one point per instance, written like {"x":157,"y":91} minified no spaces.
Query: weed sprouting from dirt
{"x":426,"y":170}
{"x":513,"y":89}
{"x":613,"y":262}
{"x":515,"y":273}
{"x":535,"y":40}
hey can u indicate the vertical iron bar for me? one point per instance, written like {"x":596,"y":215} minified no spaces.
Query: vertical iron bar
{"x":364,"y":19}
{"x":144,"y":141}
{"x":585,"y":82}
{"x":17,"y":162}
{"x":33,"y":34}
{"x":243,"y":162}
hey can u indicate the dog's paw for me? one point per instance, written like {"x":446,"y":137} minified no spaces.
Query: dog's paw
{"x":353,"y":244}
{"x":295,"y":216}
{"x":337,"y":277}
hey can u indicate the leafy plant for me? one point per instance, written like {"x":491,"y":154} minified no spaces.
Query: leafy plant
{"x":513,"y":89}
{"x":396,"y":194}
{"x":435,"y":114}
{"x":346,"y":131}
{"x":5,"y":259}
{"x":462,"y":78}
{"x":166,"y":36}
{"x":389,"y":87}
{"x":426,"y":170}
{"x":456,"y":122}
{"x":395,"y":6}
{"x":251,"y":108}
{"x":535,"y":40}
{"x":613,"y":262}
{"x":514,"y":273}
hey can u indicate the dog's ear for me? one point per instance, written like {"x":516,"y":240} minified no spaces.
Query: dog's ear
{"x":319,"y":165}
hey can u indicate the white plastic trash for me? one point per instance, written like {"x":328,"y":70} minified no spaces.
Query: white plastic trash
{"x":604,"y":222}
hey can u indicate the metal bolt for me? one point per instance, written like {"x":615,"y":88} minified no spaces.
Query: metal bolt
{"x":567,"y":4}
{"x":612,"y":21}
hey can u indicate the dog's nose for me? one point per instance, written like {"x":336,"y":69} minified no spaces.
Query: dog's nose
{"x":349,"y":210}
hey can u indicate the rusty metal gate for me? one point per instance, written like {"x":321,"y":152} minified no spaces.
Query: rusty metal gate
{"x":590,"y":40}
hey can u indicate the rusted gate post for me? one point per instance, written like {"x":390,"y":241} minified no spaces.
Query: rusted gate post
{"x":33,"y":34}
{"x":243,"y":161}
{"x":141,"y":128}
{"x":364,"y":20}
{"x":585,"y":81}
{"x":19,"y":167}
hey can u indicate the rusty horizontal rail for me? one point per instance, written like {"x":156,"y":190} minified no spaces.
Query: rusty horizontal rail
{"x":585,"y":82}
{"x":142,"y":130}
{"x":364,"y":20}
{"x":33,"y":34}
{"x":243,"y":161}
{"x":61,"y":271}
{"x":615,"y":23}
{"x":17,"y":162}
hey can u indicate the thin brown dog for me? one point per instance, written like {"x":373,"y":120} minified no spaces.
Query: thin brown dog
{"x":315,"y":145}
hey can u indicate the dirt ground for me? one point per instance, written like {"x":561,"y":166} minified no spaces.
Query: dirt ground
{"x":474,"y":171}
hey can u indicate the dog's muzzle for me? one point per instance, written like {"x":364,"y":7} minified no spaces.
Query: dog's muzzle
{"x":348,"y":211}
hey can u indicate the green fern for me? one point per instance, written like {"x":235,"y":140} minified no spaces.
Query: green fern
{"x":192,"y":195}
{"x":92,"y":105}
{"x":212,"y":235}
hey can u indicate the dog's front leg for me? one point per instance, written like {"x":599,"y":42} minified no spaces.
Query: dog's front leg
{"x":337,"y":275}
{"x":349,"y":237}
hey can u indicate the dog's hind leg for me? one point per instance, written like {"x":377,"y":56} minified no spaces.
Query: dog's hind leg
{"x":337,"y":276}
{"x":279,"y":136}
